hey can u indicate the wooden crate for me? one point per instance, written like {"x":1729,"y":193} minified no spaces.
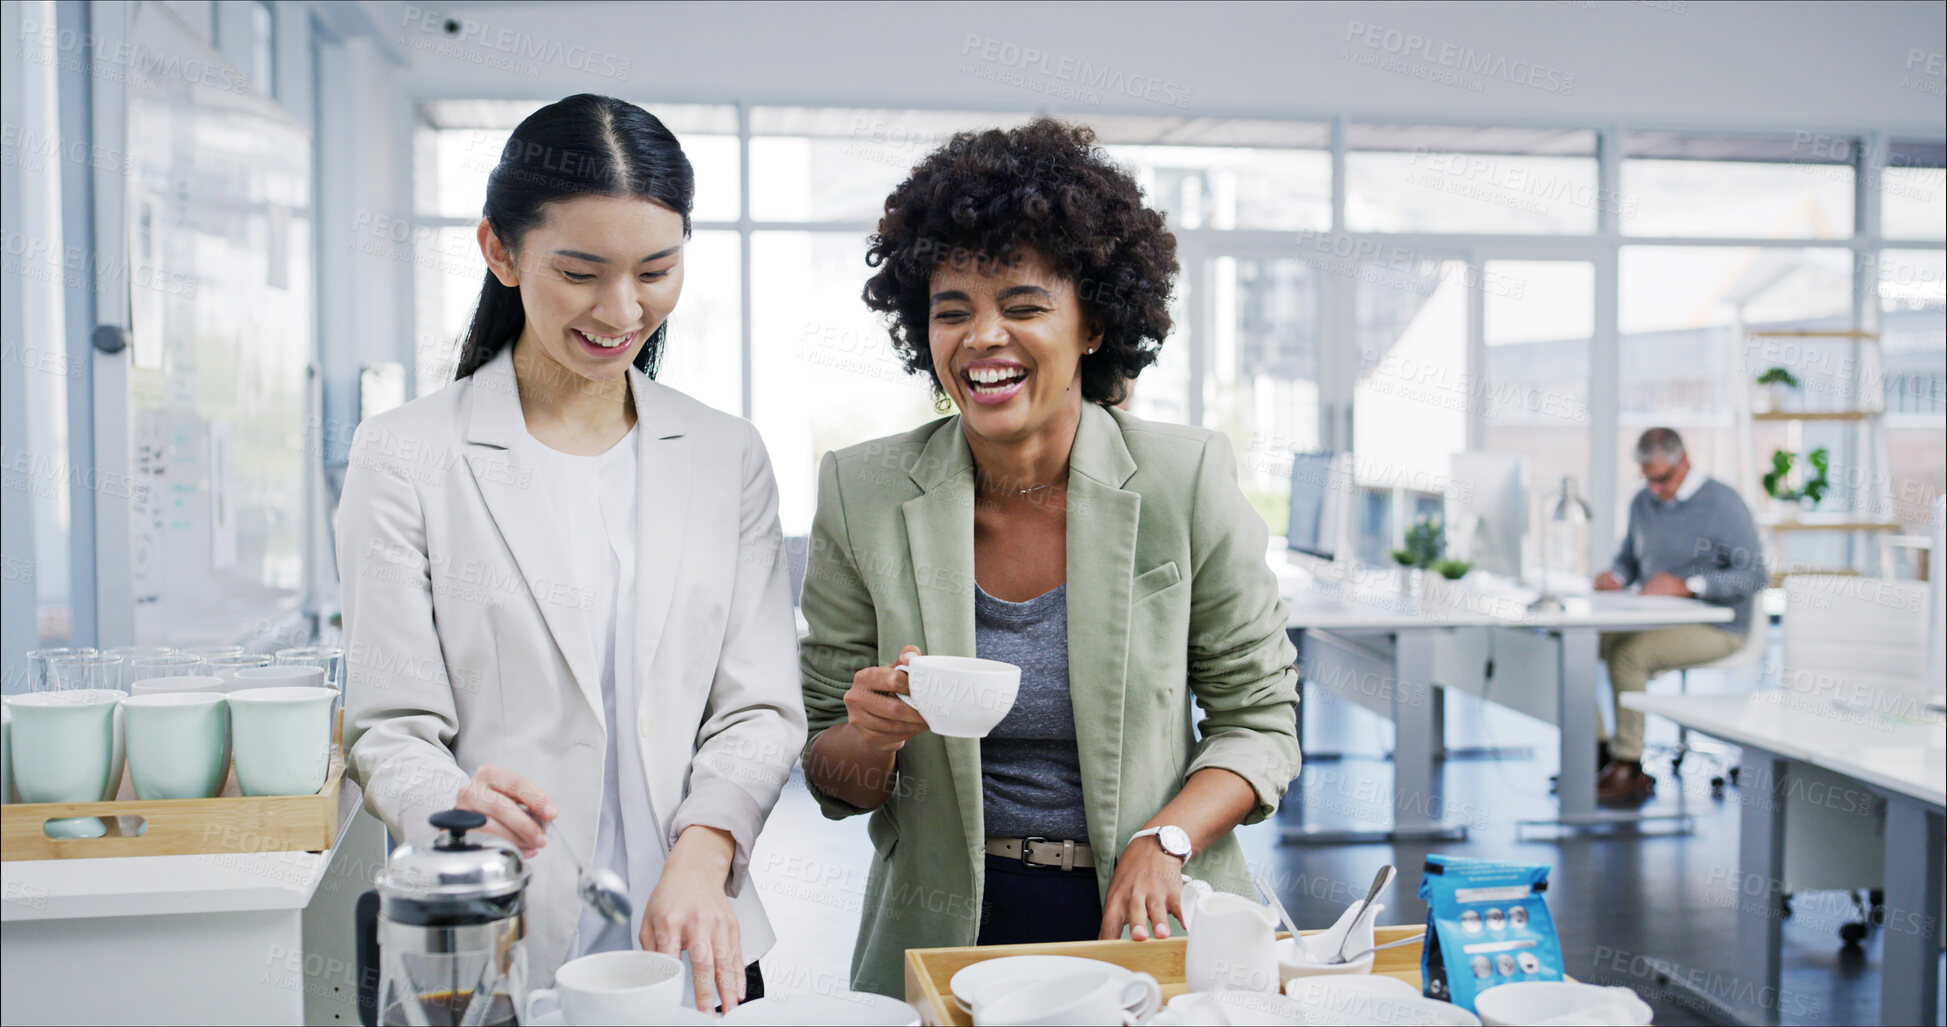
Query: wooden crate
{"x":230,"y":822}
{"x":929,"y":972}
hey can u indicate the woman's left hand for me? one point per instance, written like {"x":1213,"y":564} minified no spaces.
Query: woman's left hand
{"x":1145,"y":892}
{"x":688,"y":912}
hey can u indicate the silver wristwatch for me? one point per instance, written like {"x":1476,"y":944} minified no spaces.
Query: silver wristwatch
{"x":1173,"y":839}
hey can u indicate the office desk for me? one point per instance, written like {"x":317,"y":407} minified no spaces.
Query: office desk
{"x":1365,"y":641}
{"x":1901,"y":760}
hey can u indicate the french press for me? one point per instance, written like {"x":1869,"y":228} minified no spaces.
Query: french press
{"x":450,"y":930}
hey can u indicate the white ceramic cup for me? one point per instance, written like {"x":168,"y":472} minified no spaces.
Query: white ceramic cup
{"x":225,"y":668}
{"x":278,"y":677}
{"x":1232,"y":946}
{"x":629,"y":988}
{"x":1088,"y":997}
{"x":1525,"y":1002}
{"x":182,"y":683}
{"x":1297,"y":959}
{"x":177,"y":742}
{"x":7,"y":756}
{"x":65,"y":751}
{"x":281,"y":738}
{"x":961,"y":696}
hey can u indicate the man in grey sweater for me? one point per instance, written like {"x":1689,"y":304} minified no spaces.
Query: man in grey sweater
{"x":1689,"y":535}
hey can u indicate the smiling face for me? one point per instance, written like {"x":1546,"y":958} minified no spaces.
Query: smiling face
{"x":597,"y":277}
{"x":1007,"y":343}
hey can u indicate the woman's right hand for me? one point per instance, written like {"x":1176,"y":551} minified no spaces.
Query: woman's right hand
{"x":513,"y":805}
{"x":873,"y":708}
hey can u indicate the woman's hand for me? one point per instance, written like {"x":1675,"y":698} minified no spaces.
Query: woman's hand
{"x":873,"y":707}
{"x":506,"y":799}
{"x":1147,"y":890}
{"x":688,"y":911}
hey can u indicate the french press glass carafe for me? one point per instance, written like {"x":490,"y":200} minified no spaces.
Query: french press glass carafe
{"x":450,"y":929}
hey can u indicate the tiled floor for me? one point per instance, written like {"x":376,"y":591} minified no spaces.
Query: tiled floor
{"x":1615,"y":899}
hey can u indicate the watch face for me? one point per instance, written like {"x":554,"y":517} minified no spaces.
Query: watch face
{"x":1176,"y":841}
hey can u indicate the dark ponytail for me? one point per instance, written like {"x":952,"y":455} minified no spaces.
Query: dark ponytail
{"x":584,"y":145}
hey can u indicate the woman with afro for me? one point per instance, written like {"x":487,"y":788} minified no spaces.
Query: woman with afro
{"x":1114,"y":560}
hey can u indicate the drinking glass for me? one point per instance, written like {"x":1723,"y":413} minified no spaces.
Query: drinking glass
{"x":85,"y":670}
{"x":226,"y":667}
{"x":131,"y":653}
{"x":328,"y":658}
{"x":175,"y":665}
{"x":40,"y":676}
{"x":209,"y":652}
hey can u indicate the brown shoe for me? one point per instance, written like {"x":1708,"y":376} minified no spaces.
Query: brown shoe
{"x":1623,"y":783}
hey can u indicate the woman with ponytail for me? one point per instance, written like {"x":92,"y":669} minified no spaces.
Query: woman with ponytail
{"x":564,"y":601}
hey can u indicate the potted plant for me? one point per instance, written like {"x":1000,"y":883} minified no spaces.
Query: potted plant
{"x":1778,"y":384}
{"x":1426,"y":543}
{"x":1777,"y":481}
{"x":1453,"y":570}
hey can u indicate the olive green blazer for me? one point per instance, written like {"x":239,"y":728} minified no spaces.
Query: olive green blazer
{"x":1169,"y":598}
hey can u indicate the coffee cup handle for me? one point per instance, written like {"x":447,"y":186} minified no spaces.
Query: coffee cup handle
{"x":1151,"y":992}
{"x":534,"y":998}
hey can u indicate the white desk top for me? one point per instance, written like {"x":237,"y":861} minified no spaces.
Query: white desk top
{"x":1907,"y":755}
{"x":69,"y":889}
{"x":1365,"y":600}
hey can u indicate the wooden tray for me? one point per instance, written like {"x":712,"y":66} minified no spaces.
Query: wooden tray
{"x":231,"y":822}
{"x":929,"y":972}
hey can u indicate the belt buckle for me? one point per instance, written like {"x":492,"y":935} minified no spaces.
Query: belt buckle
{"x":1027,"y":846}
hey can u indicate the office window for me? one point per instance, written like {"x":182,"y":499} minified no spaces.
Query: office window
{"x":1539,"y":320}
{"x":823,"y":374}
{"x":839,"y":164}
{"x":1755,"y":187}
{"x":1262,"y":387}
{"x":1418,"y":178}
{"x":448,"y":272}
{"x":1225,"y":173}
{"x":1913,"y":191}
{"x":1682,"y":315}
{"x":1409,"y":406}
{"x":1913,"y":336}
{"x":263,"y":48}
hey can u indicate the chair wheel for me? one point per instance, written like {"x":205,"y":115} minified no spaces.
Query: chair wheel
{"x":1717,"y":787}
{"x":1852,"y":934}
{"x":1676,"y":763}
{"x":1734,"y":771}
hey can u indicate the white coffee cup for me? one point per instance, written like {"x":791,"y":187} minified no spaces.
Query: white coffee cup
{"x":65,"y":752}
{"x":177,"y":742}
{"x":282,"y":738}
{"x":281,"y":676}
{"x":1525,"y":1002}
{"x":1232,"y":946}
{"x":629,"y":988}
{"x":7,"y":756}
{"x":183,"y":683}
{"x":1081,"y":999}
{"x":961,"y":696}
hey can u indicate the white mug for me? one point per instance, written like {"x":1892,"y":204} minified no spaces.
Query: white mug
{"x":630,"y":988}
{"x":1232,"y":946}
{"x":281,"y":738}
{"x":67,"y":751}
{"x":177,"y":743}
{"x":960,"y":696}
{"x":1084,"y":999}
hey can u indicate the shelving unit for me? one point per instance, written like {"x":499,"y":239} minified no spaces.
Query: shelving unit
{"x":1862,"y":482}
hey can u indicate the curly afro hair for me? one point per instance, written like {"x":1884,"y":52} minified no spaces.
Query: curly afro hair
{"x":985,"y":197}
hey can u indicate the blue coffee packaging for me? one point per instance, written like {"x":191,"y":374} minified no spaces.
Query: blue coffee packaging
{"x":1486,"y":924}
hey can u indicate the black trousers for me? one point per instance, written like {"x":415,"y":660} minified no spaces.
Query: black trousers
{"x":1028,"y":905}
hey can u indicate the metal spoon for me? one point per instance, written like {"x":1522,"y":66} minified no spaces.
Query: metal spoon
{"x":601,"y":888}
{"x":1264,"y":889}
{"x":1356,"y":956}
{"x":1379,"y":883}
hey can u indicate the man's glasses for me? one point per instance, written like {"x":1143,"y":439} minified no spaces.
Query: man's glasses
{"x":1661,"y":479}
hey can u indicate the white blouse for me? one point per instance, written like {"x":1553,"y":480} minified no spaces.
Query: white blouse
{"x":595,"y":500}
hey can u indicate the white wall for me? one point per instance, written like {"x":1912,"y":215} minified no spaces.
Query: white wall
{"x":1776,"y":66}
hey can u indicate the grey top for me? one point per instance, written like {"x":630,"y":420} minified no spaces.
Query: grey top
{"x":1710,"y":534}
{"x":1030,"y":769}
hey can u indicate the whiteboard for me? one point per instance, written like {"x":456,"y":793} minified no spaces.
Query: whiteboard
{"x":221,"y":322}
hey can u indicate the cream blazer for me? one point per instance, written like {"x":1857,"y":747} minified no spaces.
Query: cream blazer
{"x":468,"y":641}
